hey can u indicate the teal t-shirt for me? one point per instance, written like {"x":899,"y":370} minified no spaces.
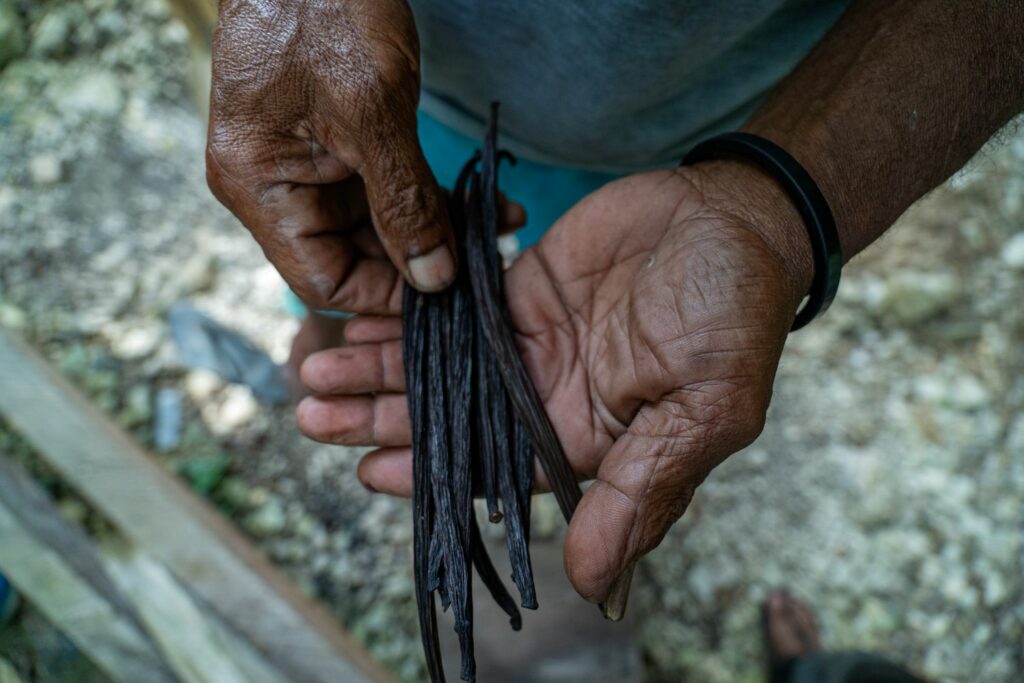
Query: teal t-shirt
{"x":593,"y":89}
{"x":609,"y":85}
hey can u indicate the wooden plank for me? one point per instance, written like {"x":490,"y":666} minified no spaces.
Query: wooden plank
{"x":194,"y":645}
{"x":7,"y":672}
{"x":199,"y":15}
{"x":37,"y":516}
{"x":252,"y":664}
{"x":170,"y":523}
{"x":197,"y":647}
{"x":76,"y":603}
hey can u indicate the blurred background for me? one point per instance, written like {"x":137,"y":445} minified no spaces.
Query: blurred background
{"x":886,"y":489}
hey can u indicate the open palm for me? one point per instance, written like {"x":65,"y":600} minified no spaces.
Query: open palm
{"x":651,"y":324}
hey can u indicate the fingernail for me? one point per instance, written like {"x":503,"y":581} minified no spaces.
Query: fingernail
{"x":432,"y":271}
{"x":614,"y":606}
{"x":366,"y":485}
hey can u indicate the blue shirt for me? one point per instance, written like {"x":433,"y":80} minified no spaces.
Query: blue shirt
{"x":609,"y":85}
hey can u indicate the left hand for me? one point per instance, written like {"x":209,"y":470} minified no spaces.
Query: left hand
{"x":651,"y":319}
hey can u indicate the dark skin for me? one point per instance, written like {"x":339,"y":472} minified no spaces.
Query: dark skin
{"x":313,"y":146}
{"x":653,"y":314}
{"x":790,"y":629}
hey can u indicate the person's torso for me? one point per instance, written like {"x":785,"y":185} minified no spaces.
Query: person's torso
{"x":609,"y":84}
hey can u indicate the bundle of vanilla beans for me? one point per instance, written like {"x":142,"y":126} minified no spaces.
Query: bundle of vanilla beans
{"x":477,"y":423}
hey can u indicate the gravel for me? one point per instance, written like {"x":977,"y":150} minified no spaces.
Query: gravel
{"x":886,"y":489}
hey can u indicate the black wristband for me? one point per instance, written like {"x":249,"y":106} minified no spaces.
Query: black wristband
{"x":801,"y":188}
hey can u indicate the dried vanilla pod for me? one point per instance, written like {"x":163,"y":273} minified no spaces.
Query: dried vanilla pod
{"x":414,"y":321}
{"x":477,"y":424}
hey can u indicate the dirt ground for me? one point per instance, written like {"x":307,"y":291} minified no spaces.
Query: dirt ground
{"x":886,"y":489}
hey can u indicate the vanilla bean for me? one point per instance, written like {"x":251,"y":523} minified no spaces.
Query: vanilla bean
{"x":515,"y":522}
{"x":476,"y":423}
{"x":460,"y":371}
{"x":413,"y":336}
{"x":523,"y":468}
{"x":528,"y":406}
{"x":488,"y":388}
{"x":436,"y":557}
{"x":489,"y":575}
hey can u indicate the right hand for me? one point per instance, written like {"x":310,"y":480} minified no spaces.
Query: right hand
{"x":313,"y":146}
{"x":650,"y":317}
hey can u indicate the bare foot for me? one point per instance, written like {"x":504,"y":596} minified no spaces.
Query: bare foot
{"x":789,"y":627}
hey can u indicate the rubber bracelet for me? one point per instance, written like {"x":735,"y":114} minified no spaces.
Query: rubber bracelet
{"x":810,"y":203}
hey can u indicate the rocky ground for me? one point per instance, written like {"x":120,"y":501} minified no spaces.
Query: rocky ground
{"x":887,"y":486}
{"x":886,"y":489}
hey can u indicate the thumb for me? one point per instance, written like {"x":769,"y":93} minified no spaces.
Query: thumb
{"x":644,"y":484}
{"x":409,"y":211}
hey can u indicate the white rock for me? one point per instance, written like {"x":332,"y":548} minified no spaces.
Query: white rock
{"x":305,"y":526}
{"x":954,"y":585}
{"x":238,"y":408}
{"x":757,"y":457}
{"x":139,"y":402}
{"x":136,"y":342}
{"x":930,"y":388}
{"x":1013,"y":196}
{"x":258,"y":496}
{"x":915,"y":297}
{"x":97,"y":93}
{"x":994,"y":589}
{"x":111,"y":22}
{"x":874,"y":617}
{"x":8,"y":198}
{"x":51,"y":34}
{"x":864,"y":290}
{"x":944,"y":661}
{"x":289,"y":550}
{"x":267,"y":520}
{"x":963,"y":392}
{"x":236,"y":492}
{"x":200,"y":384}
{"x":113,"y":256}
{"x":1013,"y":251}
{"x":175,"y":32}
{"x":13,"y":317}
{"x":968,"y":393}
{"x":195,"y":275}
{"x":45,"y":169}
{"x":1015,"y":438}
{"x":937,"y":626}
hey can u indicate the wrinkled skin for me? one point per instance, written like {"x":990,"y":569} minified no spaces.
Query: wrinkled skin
{"x":313,"y":146}
{"x":651,"y":318}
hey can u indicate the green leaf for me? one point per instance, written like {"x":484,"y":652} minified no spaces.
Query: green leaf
{"x":204,"y":473}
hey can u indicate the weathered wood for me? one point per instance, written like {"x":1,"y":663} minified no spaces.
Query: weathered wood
{"x":200,"y":17}
{"x":170,"y":523}
{"x":7,"y":673}
{"x":192,"y":641}
{"x":72,"y":594}
{"x":36,"y":514}
{"x":192,"y":644}
{"x":252,"y":663}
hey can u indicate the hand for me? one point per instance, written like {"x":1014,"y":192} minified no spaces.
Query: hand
{"x":313,"y":145}
{"x":651,"y":318}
